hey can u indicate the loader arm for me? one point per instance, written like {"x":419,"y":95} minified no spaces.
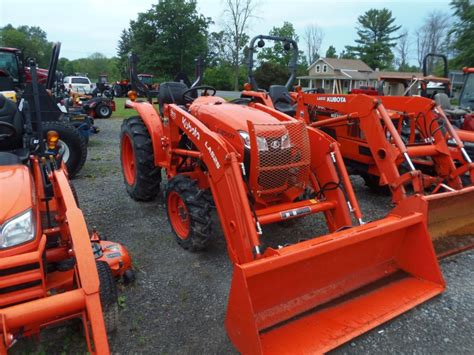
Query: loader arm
{"x":225,"y":180}
{"x":435,"y":129}
{"x":372,"y":118}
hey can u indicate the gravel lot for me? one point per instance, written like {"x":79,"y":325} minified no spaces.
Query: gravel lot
{"x":178,"y":303}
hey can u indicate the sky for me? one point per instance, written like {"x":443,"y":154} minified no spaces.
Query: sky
{"x":88,"y":26}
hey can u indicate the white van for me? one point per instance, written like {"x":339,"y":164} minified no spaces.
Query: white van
{"x":79,"y":84}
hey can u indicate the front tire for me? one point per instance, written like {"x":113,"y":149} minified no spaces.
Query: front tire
{"x":103,"y":111}
{"x":373,"y":183}
{"x":189,"y":213}
{"x":72,"y":145}
{"x":142,"y":178}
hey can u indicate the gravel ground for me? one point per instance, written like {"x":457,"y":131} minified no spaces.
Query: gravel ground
{"x":178,"y":303}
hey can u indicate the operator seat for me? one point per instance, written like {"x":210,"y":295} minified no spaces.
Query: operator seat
{"x":12,"y":151}
{"x":443,"y":100}
{"x":171,"y":93}
{"x":282,"y":100}
{"x":10,"y":114}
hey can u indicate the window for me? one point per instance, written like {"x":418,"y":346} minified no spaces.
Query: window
{"x":9,"y":65}
{"x":80,"y":81}
{"x":146,"y":79}
{"x":467,"y":97}
{"x":325,"y":68}
{"x":318,"y":69}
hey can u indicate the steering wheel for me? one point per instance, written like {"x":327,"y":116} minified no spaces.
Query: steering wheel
{"x":188,"y":98}
{"x":314,"y":91}
{"x":9,"y":128}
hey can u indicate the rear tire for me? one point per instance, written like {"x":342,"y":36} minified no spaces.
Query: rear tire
{"x":108,"y":296}
{"x":75,"y":143}
{"x":189,"y":213}
{"x":142,"y":178}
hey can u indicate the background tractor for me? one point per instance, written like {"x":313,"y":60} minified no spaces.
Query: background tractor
{"x":257,"y":166}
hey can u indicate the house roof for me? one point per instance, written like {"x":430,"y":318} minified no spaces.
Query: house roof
{"x":397,"y":74}
{"x":347,"y":64}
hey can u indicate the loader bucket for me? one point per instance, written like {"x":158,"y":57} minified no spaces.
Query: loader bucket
{"x":313,"y":296}
{"x":451,"y":214}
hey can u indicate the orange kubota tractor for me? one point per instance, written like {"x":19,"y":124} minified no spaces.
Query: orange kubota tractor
{"x":257,"y":166}
{"x":431,"y":162}
{"x":50,"y":269}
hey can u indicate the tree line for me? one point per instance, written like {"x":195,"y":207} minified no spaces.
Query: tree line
{"x":172,"y":33}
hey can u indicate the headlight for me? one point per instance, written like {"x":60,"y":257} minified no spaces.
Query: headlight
{"x":285,"y":142}
{"x":18,"y":230}
{"x":261,"y":142}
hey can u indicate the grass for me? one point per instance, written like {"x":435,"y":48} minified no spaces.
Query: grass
{"x":120,"y":110}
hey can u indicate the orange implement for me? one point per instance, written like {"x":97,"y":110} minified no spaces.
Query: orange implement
{"x":313,"y":296}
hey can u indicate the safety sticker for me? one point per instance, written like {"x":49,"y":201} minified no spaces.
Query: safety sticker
{"x":295,"y":212}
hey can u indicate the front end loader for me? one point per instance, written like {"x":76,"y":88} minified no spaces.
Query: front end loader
{"x":401,"y":144}
{"x":49,"y":272}
{"x":257,"y":166}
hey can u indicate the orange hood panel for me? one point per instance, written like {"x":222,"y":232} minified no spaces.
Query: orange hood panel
{"x":15,"y":191}
{"x":232,"y":115}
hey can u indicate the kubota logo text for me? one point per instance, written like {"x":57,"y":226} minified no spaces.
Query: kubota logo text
{"x":336,"y":99}
{"x":192,"y":130}
{"x":213,"y":155}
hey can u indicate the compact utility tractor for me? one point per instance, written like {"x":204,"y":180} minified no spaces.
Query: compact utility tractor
{"x":372,"y":132}
{"x":51,"y":269}
{"x":257,"y":166}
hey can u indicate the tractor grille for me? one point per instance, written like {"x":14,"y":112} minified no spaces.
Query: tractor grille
{"x":283,"y":161}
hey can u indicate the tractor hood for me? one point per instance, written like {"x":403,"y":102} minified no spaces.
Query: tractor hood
{"x":217,"y":112}
{"x":15,"y":191}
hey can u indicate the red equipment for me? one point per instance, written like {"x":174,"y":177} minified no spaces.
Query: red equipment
{"x":259,"y":166}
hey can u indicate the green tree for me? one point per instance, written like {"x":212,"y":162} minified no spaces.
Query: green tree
{"x":462,"y":32}
{"x":347,"y":53}
{"x":167,"y":38}
{"x":32,"y":41}
{"x":375,"y":42}
{"x":278,"y":54}
{"x":270,"y":73}
{"x":124,"y":47}
{"x":331,"y":52}
{"x":94,"y":65}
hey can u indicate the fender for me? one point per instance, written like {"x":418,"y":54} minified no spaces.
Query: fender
{"x":154,"y":125}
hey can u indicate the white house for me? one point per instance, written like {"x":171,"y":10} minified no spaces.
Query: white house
{"x":338,"y":75}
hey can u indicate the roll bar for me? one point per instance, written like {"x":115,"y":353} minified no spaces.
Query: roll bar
{"x":261,"y":43}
